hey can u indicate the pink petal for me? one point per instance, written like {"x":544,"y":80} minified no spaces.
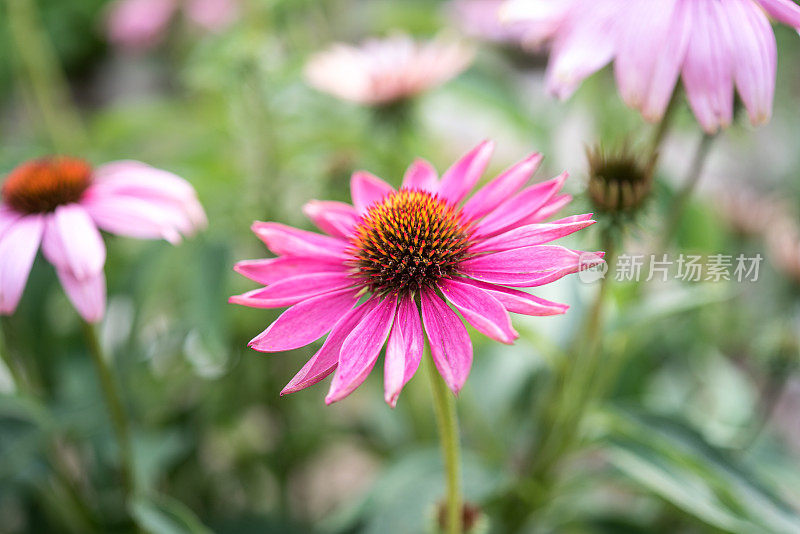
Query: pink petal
{"x":529,"y":235}
{"x":451,"y":347}
{"x":134,"y":217}
{"x":18,"y":246}
{"x":517,"y":301}
{"x":528,"y":266}
{"x":72,"y":242}
{"x":459,"y":179}
{"x":361,"y":348}
{"x":480,"y":309}
{"x":285,"y":240}
{"x":755,"y":59}
{"x":334,"y":218}
{"x":7,"y":218}
{"x":305,"y":322}
{"x":290,"y":291}
{"x":490,"y":196}
{"x":268,"y":271}
{"x":518,"y":207}
{"x":420,"y":176}
{"x":326,"y":359}
{"x":367,"y":189}
{"x":784,"y":11}
{"x":88,"y":295}
{"x":552,"y":207}
{"x":403,"y":351}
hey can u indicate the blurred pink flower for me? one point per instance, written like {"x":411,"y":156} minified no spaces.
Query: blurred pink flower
{"x":212,"y":15}
{"x":391,"y":250}
{"x":481,"y":19}
{"x":60,"y":202}
{"x":139,"y":24}
{"x":714,"y":45}
{"x":783,"y":246}
{"x":386,"y":70}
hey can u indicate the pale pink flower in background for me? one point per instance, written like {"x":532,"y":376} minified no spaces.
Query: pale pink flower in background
{"x":212,"y":15}
{"x":426,"y":244}
{"x":382,"y":71}
{"x":714,"y":46}
{"x":61,"y":202}
{"x":481,"y":19}
{"x":139,"y":24}
{"x":783,"y":246}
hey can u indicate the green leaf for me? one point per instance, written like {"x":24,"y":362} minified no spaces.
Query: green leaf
{"x":166,"y":516}
{"x":673,"y":461}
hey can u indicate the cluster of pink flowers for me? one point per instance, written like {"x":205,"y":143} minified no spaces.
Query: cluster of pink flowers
{"x":713,"y":46}
{"x":396,"y":252}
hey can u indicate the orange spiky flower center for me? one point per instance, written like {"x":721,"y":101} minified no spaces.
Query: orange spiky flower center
{"x":409,"y":240}
{"x":41,"y":185}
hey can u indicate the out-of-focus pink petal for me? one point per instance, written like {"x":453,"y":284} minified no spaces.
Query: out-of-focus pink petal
{"x":334,"y":218}
{"x":305,"y":322}
{"x":7,"y":218}
{"x":480,"y":309}
{"x":785,"y":11}
{"x":361,"y":348}
{"x":18,"y":246}
{"x":72,"y":242}
{"x":459,"y":179}
{"x":326,"y":359}
{"x":755,"y":58}
{"x":285,"y":240}
{"x":421,"y":175}
{"x":367,"y":189}
{"x":528,"y":266}
{"x":134,"y":217}
{"x":403,"y":351}
{"x":490,"y":196}
{"x":708,"y":68}
{"x":88,"y":294}
{"x":139,"y":24}
{"x":518,"y":207}
{"x":529,"y":235}
{"x":451,"y":347}
{"x":290,"y":291}
{"x":272,"y":270}
{"x":517,"y":301}
{"x":212,"y":15}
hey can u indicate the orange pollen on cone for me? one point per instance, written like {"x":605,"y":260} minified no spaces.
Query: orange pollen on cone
{"x":409,"y":240}
{"x":41,"y":185}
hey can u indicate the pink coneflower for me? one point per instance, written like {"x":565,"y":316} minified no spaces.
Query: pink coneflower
{"x":480,"y":19}
{"x":713,"y":45}
{"x":394,"y":250}
{"x":60,"y":202}
{"x":382,"y":71}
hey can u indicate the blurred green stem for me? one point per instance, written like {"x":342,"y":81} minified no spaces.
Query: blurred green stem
{"x":686,"y":191}
{"x":14,"y":371}
{"x":43,"y":76}
{"x":116,"y":410}
{"x":663,"y":127}
{"x":445,"y":408}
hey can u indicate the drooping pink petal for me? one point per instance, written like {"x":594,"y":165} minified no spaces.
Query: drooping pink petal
{"x":518,"y":207}
{"x":285,"y":240}
{"x":451,"y":347}
{"x":459,"y":179}
{"x":7,"y":218}
{"x":785,"y":11}
{"x":480,"y":309}
{"x":708,"y":68}
{"x":72,"y":242}
{"x":305,"y":322}
{"x":517,"y":301}
{"x":290,"y":291}
{"x":361,"y":348}
{"x":18,"y":246}
{"x":271,"y":270}
{"x":134,"y":217}
{"x":421,"y":175}
{"x":366,"y":189}
{"x":490,"y":196}
{"x":326,"y":359}
{"x":88,"y":294}
{"x":334,"y":218}
{"x":754,"y":59}
{"x":528,"y":266}
{"x":529,"y":235}
{"x":403,"y":351}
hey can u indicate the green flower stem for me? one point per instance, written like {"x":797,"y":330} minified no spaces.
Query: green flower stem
{"x":663,"y":127}
{"x":445,"y":408}
{"x":13,"y":369}
{"x":686,"y":191}
{"x":44,"y":80}
{"x":116,"y":410}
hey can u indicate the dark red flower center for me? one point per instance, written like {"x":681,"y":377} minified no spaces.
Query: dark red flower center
{"x":41,"y":185}
{"x":409,"y":240}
